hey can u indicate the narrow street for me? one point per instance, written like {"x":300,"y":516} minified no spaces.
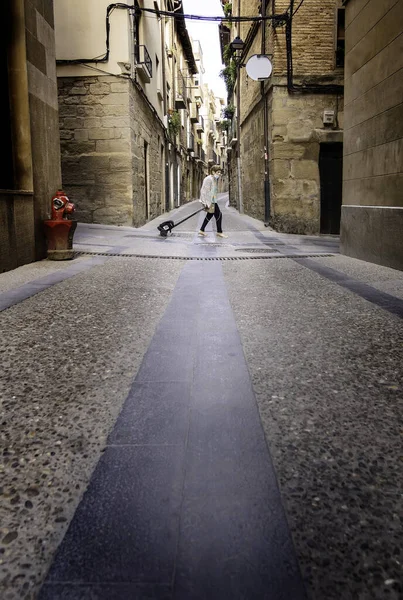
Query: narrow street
{"x":201,"y":418}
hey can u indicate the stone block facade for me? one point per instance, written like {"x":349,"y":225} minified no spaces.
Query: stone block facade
{"x":373,"y":151}
{"x":28,"y":188}
{"x":313,"y":40}
{"x":295,"y":120}
{"x":42,"y":85}
{"x":111,"y":143}
{"x":297,"y":132}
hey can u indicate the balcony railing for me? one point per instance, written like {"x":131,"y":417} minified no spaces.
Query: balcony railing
{"x":144,"y":62}
{"x":182,"y":137}
{"x":212,"y":157}
{"x":191,"y":141}
{"x":232,"y":132}
{"x":200,"y":125}
{"x":181,"y":92}
{"x":194,"y":113}
{"x":212,"y":128}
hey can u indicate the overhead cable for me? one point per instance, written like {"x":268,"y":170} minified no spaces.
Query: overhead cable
{"x":230,"y":19}
{"x":298,"y":7}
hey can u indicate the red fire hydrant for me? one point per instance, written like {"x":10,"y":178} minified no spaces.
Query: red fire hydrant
{"x":59,"y":230}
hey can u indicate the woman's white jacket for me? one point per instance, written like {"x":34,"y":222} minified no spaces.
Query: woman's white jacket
{"x":207,"y":190}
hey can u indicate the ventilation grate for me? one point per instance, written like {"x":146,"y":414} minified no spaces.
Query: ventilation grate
{"x":257,"y":250}
{"x":203,"y":258}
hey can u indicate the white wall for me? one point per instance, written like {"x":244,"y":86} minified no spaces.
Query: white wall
{"x":81,"y":34}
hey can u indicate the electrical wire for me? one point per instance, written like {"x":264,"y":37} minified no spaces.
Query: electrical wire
{"x":169,"y":14}
{"x":119,"y":75}
{"x":298,"y":7}
{"x":231,"y":19}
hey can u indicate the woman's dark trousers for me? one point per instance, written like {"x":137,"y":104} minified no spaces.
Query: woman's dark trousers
{"x":218,"y":217}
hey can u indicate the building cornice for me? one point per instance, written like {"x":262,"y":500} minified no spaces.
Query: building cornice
{"x":186,"y":43}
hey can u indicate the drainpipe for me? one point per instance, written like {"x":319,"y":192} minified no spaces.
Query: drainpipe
{"x":265,"y":129}
{"x":165,"y":109}
{"x":19,"y":97}
{"x":238,"y":124}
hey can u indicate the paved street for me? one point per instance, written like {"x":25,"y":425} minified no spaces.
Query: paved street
{"x":201,"y":418}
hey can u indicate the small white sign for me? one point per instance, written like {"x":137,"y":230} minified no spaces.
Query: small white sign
{"x":259,"y":67}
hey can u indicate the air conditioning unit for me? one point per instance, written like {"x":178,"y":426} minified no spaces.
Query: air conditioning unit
{"x":328,"y":117}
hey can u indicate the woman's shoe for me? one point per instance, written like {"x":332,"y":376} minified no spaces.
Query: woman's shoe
{"x":222,"y":235}
{"x":202,"y":233}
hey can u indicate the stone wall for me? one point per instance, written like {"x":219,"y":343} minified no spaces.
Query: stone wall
{"x":45,"y":143}
{"x":296,"y":131}
{"x":296,"y":127}
{"x":373,"y":151}
{"x":146,"y":127}
{"x":313,"y":39}
{"x":253,"y":163}
{"x":105,"y":127}
{"x":373,"y":165}
{"x":296,"y":134}
{"x":24,"y":208}
{"x":17,"y":243}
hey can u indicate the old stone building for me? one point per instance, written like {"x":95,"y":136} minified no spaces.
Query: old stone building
{"x":289,"y":170}
{"x":30,"y":168}
{"x":127,"y":121}
{"x":372,"y":212}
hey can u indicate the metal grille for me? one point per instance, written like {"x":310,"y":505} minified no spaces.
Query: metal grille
{"x":203,"y":258}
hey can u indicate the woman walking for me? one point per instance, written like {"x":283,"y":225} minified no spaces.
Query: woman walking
{"x":208,"y":197}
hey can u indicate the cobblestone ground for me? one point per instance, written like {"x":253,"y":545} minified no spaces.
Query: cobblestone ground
{"x":322,"y":336}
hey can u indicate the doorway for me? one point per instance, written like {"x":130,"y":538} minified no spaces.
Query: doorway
{"x":331,"y":186}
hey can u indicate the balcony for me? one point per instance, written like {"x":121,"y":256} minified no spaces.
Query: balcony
{"x":212,"y":129}
{"x":194,"y":113}
{"x":198,"y":95}
{"x":213,"y":158}
{"x":232,"y":133}
{"x":181,"y":92}
{"x":200,"y":124}
{"x":191,"y":142}
{"x":143,"y":63}
{"x":202,"y":155}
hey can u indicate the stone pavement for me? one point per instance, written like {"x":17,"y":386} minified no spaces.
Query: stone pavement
{"x":201,"y":418}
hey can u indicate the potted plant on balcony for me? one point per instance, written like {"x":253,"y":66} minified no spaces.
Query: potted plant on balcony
{"x":174,"y":123}
{"x":224,"y":125}
{"x":229,"y":111}
{"x":227,"y":8}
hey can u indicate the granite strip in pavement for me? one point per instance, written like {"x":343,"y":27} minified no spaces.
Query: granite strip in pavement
{"x":185,"y":497}
{"x":326,"y":368}
{"x":68,"y":359}
{"x":19,"y":294}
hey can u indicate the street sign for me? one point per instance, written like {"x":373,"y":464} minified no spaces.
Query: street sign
{"x":259,"y":67}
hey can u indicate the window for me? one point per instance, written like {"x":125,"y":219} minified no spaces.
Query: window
{"x":340,"y":41}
